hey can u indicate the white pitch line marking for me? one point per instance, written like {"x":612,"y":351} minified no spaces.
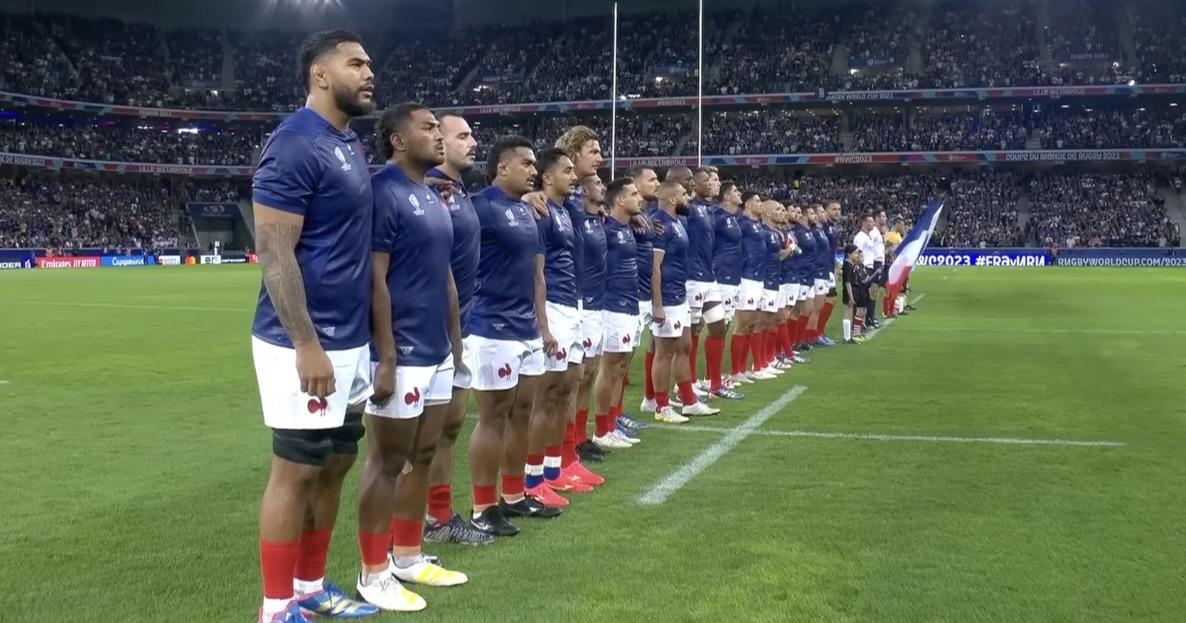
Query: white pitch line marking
{"x":242,"y":310}
{"x":3,"y":382}
{"x":660,"y":491}
{"x":1010,"y":441}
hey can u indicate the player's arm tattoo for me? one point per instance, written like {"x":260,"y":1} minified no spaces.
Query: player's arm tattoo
{"x":282,"y":278}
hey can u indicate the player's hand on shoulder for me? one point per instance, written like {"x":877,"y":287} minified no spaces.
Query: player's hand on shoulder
{"x":315,"y":370}
{"x":657,"y":225}
{"x":443,"y":187}
{"x":383,"y":385}
{"x":538,"y":202}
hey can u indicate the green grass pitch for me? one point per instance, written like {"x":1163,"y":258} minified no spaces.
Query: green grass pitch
{"x":134,"y":457}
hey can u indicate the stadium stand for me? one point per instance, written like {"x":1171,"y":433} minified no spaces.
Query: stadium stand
{"x":956,"y":44}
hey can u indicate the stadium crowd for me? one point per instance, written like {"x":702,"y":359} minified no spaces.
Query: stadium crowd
{"x":228,"y":146}
{"x":768,"y":132}
{"x":960,"y":44}
{"x":1107,"y":210}
{"x":1099,"y":129}
{"x":73,"y":212}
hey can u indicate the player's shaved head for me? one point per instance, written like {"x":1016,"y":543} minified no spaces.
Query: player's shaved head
{"x":679,"y":175}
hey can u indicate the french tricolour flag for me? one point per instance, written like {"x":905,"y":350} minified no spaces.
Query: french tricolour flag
{"x":913,"y":245}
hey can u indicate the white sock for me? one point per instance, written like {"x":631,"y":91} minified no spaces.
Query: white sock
{"x":403,"y":562}
{"x":272,"y":607}
{"x":372,"y":577}
{"x":308,"y":587}
{"x":847,"y":329}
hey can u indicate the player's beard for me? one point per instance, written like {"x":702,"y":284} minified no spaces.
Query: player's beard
{"x":350,"y":102}
{"x":681,"y":210}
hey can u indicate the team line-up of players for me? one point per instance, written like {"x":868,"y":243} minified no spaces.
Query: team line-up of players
{"x":388,"y":299}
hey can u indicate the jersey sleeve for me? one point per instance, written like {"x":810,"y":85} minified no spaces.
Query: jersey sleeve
{"x":662,"y":241}
{"x":543,"y":230}
{"x":286,"y":178}
{"x":386,"y":219}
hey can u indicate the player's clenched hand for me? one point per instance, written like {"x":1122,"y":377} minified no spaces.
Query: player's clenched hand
{"x":538,"y":202}
{"x":550,"y":343}
{"x":315,"y":370}
{"x":383,"y":385}
{"x":443,"y":187}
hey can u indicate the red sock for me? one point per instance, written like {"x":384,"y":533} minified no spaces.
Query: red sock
{"x":661,"y":399}
{"x":602,"y":425}
{"x":857,"y":325}
{"x":827,"y":315}
{"x":314,"y":553}
{"x":440,"y":503}
{"x":512,"y":485}
{"x":692,"y":355}
{"x":648,"y":383}
{"x":373,"y":546}
{"x":582,"y":427}
{"x":277,"y":565}
{"x":615,"y":412}
{"x":775,"y":348}
{"x":568,"y":454}
{"x":755,"y":348}
{"x":686,"y":394}
{"x":887,"y":305}
{"x":737,"y":353}
{"x":714,"y":356}
{"x":793,"y":329}
{"x":784,"y":338}
{"x":406,"y":532}
{"x":803,"y":320}
{"x":485,"y":495}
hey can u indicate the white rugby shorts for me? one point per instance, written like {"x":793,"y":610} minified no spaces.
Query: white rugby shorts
{"x":496,"y":365}
{"x":285,"y":406}
{"x":415,"y":388}
{"x":676,"y":318}
{"x":565,"y":324}
{"x":622,"y":332}
{"x":750,"y":296}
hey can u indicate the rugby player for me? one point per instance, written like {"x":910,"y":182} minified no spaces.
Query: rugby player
{"x":647,"y":182}
{"x":776,"y":252}
{"x":669,"y":301}
{"x":312,"y":203}
{"x":505,"y":349}
{"x":746,"y":339}
{"x":414,"y":347}
{"x":809,"y":244}
{"x":704,"y":296}
{"x":557,"y":180}
{"x":831,"y":218}
{"x":620,"y":302}
{"x":726,"y":265}
{"x":788,"y":291}
{"x":443,"y":525}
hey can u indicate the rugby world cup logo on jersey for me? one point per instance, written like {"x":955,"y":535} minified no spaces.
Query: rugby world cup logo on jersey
{"x":417,"y":210}
{"x":510,"y":214}
{"x":342,"y":158}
